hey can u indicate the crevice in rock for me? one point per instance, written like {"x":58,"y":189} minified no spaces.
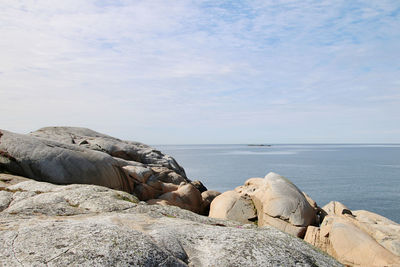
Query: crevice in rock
{"x":57,"y":256}
{"x":13,"y":249}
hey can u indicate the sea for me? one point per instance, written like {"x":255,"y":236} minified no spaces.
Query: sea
{"x":361,"y":176}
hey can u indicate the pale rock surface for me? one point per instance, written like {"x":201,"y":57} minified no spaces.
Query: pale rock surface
{"x":250,"y":186}
{"x":72,"y":155}
{"x":186,"y":196}
{"x":280,"y":203}
{"x":383,"y":230}
{"x":336,"y":208}
{"x":233,"y":206}
{"x":104,"y":227}
{"x":350,"y":245}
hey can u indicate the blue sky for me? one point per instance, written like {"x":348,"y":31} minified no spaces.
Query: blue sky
{"x":169,"y":72}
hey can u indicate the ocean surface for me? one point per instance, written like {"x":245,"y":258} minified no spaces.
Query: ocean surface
{"x":360,"y":176}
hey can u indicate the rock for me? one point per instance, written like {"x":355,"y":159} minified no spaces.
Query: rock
{"x":59,"y":163}
{"x":70,"y":155}
{"x":131,"y":151}
{"x":100,"y":229}
{"x":8,"y":179}
{"x":187,"y":197}
{"x":145,"y":192}
{"x":168,"y":187}
{"x":207,"y":197}
{"x":233,"y":206}
{"x":349,"y":244}
{"x":335,"y":208}
{"x":250,"y":186}
{"x":280,"y":202}
{"x":199,"y":185}
{"x":33,"y":198}
{"x":311,"y":201}
{"x":383,"y":230}
{"x":138,"y":173}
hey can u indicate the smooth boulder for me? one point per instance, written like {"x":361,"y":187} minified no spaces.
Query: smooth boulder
{"x":233,"y":206}
{"x":281,"y":204}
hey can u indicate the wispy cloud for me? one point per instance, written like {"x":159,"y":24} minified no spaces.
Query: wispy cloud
{"x":203,"y":71}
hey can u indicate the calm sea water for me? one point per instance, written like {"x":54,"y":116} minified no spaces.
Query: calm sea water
{"x":360,"y":176}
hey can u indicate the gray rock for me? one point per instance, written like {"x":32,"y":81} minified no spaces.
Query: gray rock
{"x":55,"y":162}
{"x":70,"y":155}
{"x":131,"y":151}
{"x":43,"y":230}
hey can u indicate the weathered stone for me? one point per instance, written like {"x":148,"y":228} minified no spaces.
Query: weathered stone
{"x":233,"y":206}
{"x":51,"y":161}
{"x":5,"y":199}
{"x":71,"y":155}
{"x":383,"y":230}
{"x":140,"y":174}
{"x":342,"y":239}
{"x":199,"y":185}
{"x":207,"y":197}
{"x":104,"y":231}
{"x":131,"y":151}
{"x":8,"y":179}
{"x":250,"y":186}
{"x":168,"y":187}
{"x":281,"y":199}
{"x":45,"y":198}
{"x":335,"y":208}
{"x":187,"y":197}
{"x":145,"y":192}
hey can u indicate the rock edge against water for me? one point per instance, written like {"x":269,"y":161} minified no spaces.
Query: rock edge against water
{"x":43,"y":224}
{"x":355,"y":238}
{"x":79,"y":168}
{"x":71,"y":155}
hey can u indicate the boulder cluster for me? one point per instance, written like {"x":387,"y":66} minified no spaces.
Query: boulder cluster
{"x":72,"y":155}
{"x":355,"y":238}
{"x":43,"y":224}
{"x":73,"y":196}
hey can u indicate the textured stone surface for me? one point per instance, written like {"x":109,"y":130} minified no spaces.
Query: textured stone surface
{"x":276,"y":201}
{"x":100,"y":229}
{"x":383,"y":230}
{"x":71,"y":155}
{"x":281,"y":199}
{"x":341,"y":238}
{"x":51,"y":161}
{"x":128,"y":150}
{"x":233,"y":206}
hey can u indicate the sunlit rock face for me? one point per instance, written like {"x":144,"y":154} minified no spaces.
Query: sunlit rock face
{"x":90,"y":225}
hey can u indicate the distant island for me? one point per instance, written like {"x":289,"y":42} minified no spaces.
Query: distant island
{"x":258,"y":145}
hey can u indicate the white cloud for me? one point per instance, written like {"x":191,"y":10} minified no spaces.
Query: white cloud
{"x":138,"y":68}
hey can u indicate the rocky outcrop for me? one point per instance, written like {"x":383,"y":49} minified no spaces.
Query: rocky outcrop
{"x":128,"y":150}
{"x":46,"y":224}
{"x":69,"y":155}
{"x":341,"y":237}
{"x":276,"y":200}
{"x":356,"y":238}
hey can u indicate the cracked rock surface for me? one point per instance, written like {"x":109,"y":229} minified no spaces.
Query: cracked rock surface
{"x":88,"y":225}
{"x":72,"y":155}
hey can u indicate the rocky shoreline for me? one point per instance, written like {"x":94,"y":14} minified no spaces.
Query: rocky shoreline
{"x":74,"y":196}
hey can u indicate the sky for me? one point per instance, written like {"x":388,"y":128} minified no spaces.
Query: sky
{"x":204,"y":72}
